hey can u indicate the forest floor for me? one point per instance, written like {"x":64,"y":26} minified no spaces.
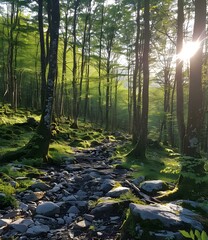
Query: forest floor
{"x":86,"y":190}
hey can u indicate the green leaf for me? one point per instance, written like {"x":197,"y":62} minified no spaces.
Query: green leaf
{"x":197,"y":234}
{"x":192,"y":235}
{"x":204,"y":236}
{"x":185,"y":233}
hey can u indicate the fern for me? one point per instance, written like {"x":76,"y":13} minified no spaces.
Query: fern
{"x":194,"y":235}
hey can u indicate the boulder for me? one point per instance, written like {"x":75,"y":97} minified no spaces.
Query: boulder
{"x":168,"y":216}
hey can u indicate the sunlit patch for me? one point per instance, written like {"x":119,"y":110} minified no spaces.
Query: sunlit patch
{"x":189,"y":50}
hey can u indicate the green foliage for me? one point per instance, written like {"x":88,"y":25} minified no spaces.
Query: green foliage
{"x":194,"y":169}
{"x":194,"y":235}
{"x":7,"y":201}
{"x":33,"y":162}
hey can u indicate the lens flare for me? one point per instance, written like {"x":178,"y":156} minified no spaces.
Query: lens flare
{"x":189,"y":50}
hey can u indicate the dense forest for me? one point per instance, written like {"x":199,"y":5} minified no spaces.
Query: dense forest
{"x":122,"y":65}
{"x":133,"y":68}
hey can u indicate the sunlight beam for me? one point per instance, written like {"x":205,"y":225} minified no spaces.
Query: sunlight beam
{"x":189,"y":50}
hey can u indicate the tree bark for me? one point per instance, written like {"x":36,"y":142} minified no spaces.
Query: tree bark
{"x":179,"y":77}
{"x":195,"y":113}
{"x":136,"y":108}
{"x":140,"y":149}
{"x":74,"y":71}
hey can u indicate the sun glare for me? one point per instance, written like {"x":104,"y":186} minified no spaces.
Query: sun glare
{"x":189,"y":49}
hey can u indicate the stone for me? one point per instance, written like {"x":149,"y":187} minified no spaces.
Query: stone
{"x":88,"y":217}
{"x":68,"y":219}
{"x":83,"y":224}
{"x":168,"y":215}
{"x":21,"y":224}
{"x":109,"y":208}
{"x":14,"y":184}
{"x":69,"y":198}
{"x":5,"y":222}
{"x":73,"y":209}
{"x":82,"y":195}
{"x":60,"y":221}
{"x":117,"y":192}
{"x":153,"y":186}
{"x":138,"y":180}
{"x":107,"y":185}
{"x":163,"y":235}
{"x":23,"y":206}
{"x":33,"y":196}
{"x":48,"y":209}
{"x":37,"y":230}
{"x":40,"y":185}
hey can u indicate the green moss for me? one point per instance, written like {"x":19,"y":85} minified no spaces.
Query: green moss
{"x":128,"y":228}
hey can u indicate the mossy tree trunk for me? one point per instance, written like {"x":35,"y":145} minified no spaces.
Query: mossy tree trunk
{"x":39,"y":144}
{"x":192,"y":180}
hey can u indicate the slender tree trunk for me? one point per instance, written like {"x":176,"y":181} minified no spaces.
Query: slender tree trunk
{"x":63,"y":75}
{"x":43,"y":53}
{"x":136,"y":113}
{"x":171,"y":120}
{"x":129,"y":100}
{"x":11,"y":48}
{"x":107,"y":101}
{"x":140,"y":149}
{"x":86,"y":104}
{"x":179,"y":77}
{"x":83,"y":62}
{"x":74,"y":71}
{"x":99,"y":68}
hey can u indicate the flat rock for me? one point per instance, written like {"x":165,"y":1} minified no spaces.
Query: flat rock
{"x":169,"y":215}
{"x":5,"y":222}
{"x":153,"y":186}
{"x":48,"y":209}
{"x":37,"y":230}
{"x":21,"y":224}
{"x":117,"y":192}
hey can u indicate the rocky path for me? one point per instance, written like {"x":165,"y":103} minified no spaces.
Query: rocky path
{"x":60,"y":204}
{"x":83,"y":200}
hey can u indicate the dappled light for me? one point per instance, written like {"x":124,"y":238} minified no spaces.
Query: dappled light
{"x":103,"y":120}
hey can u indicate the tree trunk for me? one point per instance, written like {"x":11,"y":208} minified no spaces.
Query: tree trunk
{"x":140,"y":149}
{"x":107,"y":101}
{"x":63,"y":75}
{"x":86,"y":103}
{"x":74,"y":71}
{"x":42,"y":52}
{"x":39,"y":144}
{"x":136,"y":109}
{"x":195,"y":114}
{"x":179,"y":77}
